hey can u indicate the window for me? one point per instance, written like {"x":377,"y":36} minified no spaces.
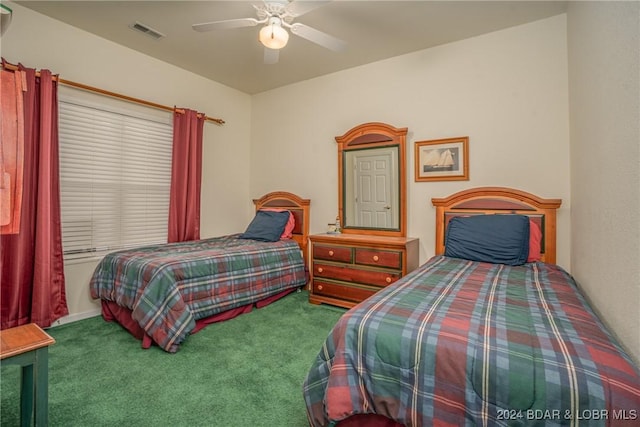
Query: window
{"x":115,"y":176}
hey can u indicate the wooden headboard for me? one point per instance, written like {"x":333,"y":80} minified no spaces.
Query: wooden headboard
{"x":298,"y":206}
{"x":499,"y":200}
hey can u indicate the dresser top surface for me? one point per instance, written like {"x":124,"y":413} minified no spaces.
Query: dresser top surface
{"x":361,"y":239}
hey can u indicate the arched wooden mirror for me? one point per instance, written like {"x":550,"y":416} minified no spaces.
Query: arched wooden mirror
{"x":372,"y":180}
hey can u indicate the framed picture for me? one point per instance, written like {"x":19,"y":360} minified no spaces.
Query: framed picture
{"x":442,"y":159}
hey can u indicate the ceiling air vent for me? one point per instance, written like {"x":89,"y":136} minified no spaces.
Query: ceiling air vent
{"x":147,"y":30}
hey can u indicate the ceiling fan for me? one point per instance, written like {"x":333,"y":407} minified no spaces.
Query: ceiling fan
{"x":277,"y":16}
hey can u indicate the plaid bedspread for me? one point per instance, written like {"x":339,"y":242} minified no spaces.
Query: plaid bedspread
{"x":168,"y":287}
{"x":461,"y":343}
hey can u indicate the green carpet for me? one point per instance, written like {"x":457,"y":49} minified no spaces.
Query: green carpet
{"x":244,"y":372}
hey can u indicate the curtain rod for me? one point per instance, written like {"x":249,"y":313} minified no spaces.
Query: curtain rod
{"x":82,"y":86}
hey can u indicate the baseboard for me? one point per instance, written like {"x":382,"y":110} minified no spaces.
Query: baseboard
{"x":76,"y":317}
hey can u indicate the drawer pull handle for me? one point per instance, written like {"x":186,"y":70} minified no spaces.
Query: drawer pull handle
{"x":375,"y":258}
{"x":319,"y":287}
{"x":330,"y":253}
{"x":320,"y":270}
{"x":388,"y":279}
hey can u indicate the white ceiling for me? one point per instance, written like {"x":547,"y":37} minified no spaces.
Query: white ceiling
{"x":373,"y":30}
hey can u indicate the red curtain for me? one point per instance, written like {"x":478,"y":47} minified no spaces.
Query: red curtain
{"x":11,"y":151}
{"x":186,"y":176}
{"x":31,"y":265}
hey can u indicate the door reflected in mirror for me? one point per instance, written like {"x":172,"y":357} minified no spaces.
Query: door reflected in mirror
{"x":371,"y":180}
{"x":371,"y":196}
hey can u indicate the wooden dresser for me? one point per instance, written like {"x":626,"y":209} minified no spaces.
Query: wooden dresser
{"x":348,"y":268}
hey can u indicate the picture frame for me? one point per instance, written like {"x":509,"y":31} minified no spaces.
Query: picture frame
{"x":442,"y":159}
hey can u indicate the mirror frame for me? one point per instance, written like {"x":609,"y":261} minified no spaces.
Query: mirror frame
{"x":372,"y":135}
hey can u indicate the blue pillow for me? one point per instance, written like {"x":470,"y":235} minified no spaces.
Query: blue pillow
{"x":498,"y":239}
{"x":266,"y":226}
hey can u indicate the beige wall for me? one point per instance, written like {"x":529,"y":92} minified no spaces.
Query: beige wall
{"x":604,"y":71}
{"x":507,"y":91}
{"x":40,"y":42}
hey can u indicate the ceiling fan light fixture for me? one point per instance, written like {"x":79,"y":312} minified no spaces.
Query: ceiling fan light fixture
{"x":273,"y":35}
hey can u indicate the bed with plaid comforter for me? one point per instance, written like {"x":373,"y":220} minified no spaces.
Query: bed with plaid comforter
{"x":463,"y":343}
{"x":168,"y":287}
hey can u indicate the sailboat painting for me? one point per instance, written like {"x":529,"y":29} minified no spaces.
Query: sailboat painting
{"x":442,"y":159}
{"x":436,"y":160}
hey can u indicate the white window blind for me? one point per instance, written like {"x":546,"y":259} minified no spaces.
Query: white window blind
{"x":115,"y":174}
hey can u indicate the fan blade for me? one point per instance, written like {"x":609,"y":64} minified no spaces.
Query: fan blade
{"x":318,"y":37}
{"x":300,"y":7}
{"x":271,"y":56}
{"x":228,"y":24}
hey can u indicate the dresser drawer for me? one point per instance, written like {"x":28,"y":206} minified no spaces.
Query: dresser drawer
{"x":356,"y":275}
{"x":345,"y":292}
{"x":379,"y":258}
{"x":332,"y":253}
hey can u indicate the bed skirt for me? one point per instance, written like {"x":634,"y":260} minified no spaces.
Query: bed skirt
{"x":112,"y":312}
{"x":368,"y":420}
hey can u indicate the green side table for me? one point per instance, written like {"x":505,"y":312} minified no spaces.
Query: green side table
{"x":28,"y":347}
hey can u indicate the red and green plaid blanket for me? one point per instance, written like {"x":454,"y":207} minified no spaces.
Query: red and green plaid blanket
{"x":462,"y":343}
{"x":169,"y":287}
